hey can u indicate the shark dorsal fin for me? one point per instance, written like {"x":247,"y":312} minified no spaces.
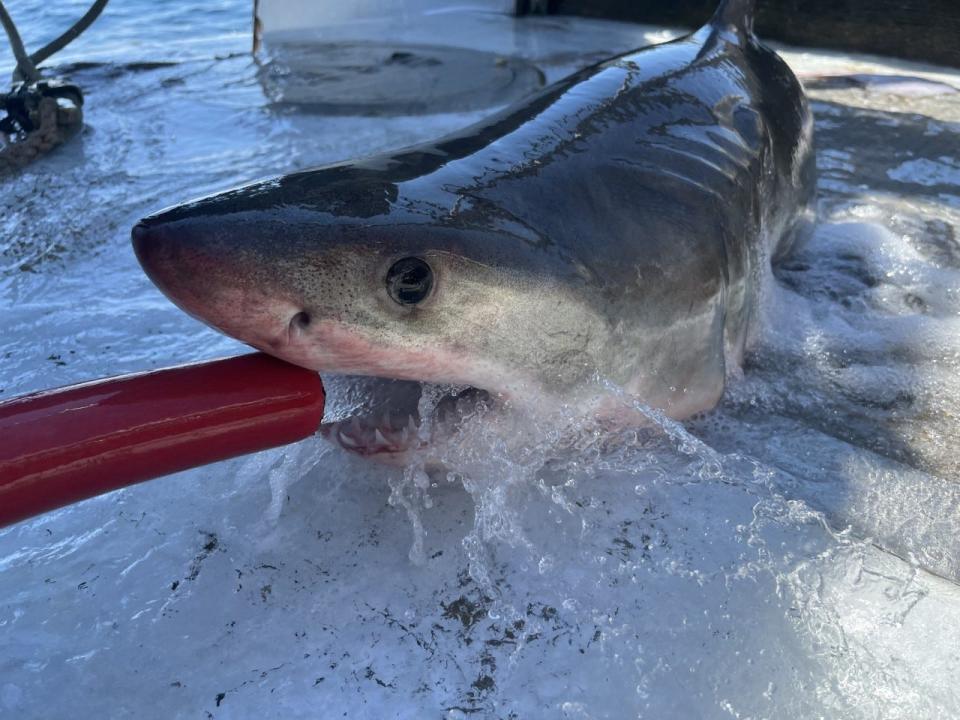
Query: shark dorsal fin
{"x":736,"y":15}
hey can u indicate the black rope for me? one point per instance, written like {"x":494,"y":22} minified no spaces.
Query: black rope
{"x":27,"y":63}
{"x":70,"y":35}
{"x":25,"y":66}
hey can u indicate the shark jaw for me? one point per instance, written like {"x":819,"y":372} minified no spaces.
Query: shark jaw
{"x":399,"y":422}
{"x":390,"y":403}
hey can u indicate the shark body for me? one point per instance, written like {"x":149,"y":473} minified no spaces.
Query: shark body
{"x":617,"y":225}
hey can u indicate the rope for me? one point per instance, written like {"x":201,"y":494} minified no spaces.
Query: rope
{"x":53,"y":124}
{"x":70,"y":35}
{"x":37,"y":121}
{"x":25,"y":66}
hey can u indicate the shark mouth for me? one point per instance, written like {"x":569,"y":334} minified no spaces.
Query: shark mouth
{"x":393,"y":421}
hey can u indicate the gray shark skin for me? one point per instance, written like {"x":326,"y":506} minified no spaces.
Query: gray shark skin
{"x":618,"y":224}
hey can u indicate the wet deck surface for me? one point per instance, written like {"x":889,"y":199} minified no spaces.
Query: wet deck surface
{"x":793,"y":554}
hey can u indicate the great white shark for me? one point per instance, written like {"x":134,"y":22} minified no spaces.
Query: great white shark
{"x":619,"y":225}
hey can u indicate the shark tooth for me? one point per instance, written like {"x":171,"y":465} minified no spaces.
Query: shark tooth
{"x":346,"y":440}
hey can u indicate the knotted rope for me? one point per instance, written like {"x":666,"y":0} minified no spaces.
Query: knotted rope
{"x":39,"y":115}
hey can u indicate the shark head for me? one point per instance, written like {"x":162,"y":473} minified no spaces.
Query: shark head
{"x":345,"y":271}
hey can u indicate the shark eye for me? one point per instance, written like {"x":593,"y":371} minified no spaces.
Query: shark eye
{"x":409,"y":281}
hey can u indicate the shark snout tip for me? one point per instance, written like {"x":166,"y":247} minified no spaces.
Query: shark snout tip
{"x":139,"y":236}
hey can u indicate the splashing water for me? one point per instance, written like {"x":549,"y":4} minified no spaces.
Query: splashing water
{"x":791,"y":554}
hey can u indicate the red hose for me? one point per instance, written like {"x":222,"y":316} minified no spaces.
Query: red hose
{"x":61,"y":446}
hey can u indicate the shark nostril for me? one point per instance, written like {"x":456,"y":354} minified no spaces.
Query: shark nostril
{"x":300,"y":321}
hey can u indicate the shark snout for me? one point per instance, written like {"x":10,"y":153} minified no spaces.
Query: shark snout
{"x":176,"y":260}
{"x":158,"y":256}
{"x":219,"y":284}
